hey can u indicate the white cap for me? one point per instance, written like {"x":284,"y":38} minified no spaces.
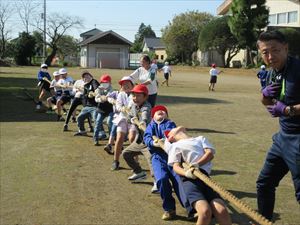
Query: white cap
{"x":166,"y":63}
{"x":56,"y":73}
{"x":125,"y":79}
{"x":62,"y":71}
{"x":263,"y":67}
{"x":44,"y":65}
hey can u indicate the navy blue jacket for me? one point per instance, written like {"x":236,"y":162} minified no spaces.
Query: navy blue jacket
{"x":154,"y":129}
{"x":42,"y":74}
{"x":291,"y":77}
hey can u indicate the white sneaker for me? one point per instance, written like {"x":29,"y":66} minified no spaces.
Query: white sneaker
{"x":38,"y":107}
{"x":138,"y":176}
{"x":154,"y":189}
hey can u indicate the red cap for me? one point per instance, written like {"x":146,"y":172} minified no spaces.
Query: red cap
{"x":157,"y":108}
{"x":166,"y":133}
{"x":140,"y":88}
{"x":213,"y":65}
{"x":105,"y":78}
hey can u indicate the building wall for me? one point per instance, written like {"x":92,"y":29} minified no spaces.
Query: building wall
{"x":161,"y":55}
{"x":278,"y":8}
{"x":284,"y":13}
{"x":83,"y":56}
{"x":118,"y":53}
{"x":145,"y":48}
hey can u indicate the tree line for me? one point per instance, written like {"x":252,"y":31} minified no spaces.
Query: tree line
{"x":184,"y":35}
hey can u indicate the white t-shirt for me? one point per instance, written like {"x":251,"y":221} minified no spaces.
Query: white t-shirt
{"x":78,"y":88}
{"x":57,"y":89}
{"x":189,"y":150}
{"x":142,"y":75}
{"x":154,"y":67}
{"x":166,"y":69}
{"x":214,"y":72}
{"x":68,"y":82}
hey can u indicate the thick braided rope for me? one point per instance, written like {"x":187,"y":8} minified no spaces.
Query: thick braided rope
{"x":224,"y":193}
{"x":220,"y":190}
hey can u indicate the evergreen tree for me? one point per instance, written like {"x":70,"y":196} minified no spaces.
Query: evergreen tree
{"x":144,"y":31}
{"x":248,"y":19}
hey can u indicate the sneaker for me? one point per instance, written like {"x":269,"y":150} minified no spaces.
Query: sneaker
{"x":108,"y":149}
{"x":80,"y":133}
{"x":96,"y":143}
{"x":138,"y":176}
{"x":169,"y":215}
{"x":115,"y":165}
{"x":38,"y":107}
{"x":66,"y":127}
{"x":154,"y":189}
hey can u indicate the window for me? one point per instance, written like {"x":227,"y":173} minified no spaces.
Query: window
{"x":292,"y":17}
{"x":272,"y":19}
{"x":281,"y":18}
{"x":162,"y":57}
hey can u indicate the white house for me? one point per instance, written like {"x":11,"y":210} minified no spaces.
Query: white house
{"x":157,"y":46}
{"x":104,"y":50}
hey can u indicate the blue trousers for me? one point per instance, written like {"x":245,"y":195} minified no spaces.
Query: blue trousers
{"x":283,"y":156}
{"x":99,"y":130}
{"x":86,"y":112}
{"x":163,"y":174}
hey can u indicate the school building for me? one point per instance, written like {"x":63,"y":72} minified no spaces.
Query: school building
{"x":282,"y":13}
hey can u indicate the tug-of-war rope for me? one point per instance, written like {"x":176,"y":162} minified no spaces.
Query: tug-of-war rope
{"x":219,"y":189}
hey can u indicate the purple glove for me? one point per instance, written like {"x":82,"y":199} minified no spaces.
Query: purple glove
{"x":277,"y":109}
{"x":271,"y":91}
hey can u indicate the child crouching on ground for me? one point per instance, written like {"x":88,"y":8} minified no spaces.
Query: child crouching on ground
{"x":199,"y":153}
{"x":140,"y":116}
{"x":164,"y":173}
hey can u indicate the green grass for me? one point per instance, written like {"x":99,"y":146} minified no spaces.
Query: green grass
{"x":51,"y":177}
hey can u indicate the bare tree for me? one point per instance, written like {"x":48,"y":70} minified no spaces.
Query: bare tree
{"x":5,"y":12}
{"x":27,"y":10}
{"x":57,"y":26}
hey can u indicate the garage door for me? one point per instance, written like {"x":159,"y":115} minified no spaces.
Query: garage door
{"x":109,"y":58}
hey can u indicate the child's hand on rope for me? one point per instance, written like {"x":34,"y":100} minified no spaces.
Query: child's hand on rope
{"x":189,"y":173}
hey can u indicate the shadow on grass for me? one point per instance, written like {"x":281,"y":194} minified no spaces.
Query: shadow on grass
{"x":172,"y":100}
{"x":242,"y":194}
{"x":203,"y":130}
{"x":18,"y":82}
{"x":15,"y":106}
{"x":222,"y":172}
{"x":243,"y":219}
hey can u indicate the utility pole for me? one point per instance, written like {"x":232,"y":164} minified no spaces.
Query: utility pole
{"x":44,"y":39}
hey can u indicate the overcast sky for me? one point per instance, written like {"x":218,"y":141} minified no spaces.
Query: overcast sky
{"x":123,"y":16}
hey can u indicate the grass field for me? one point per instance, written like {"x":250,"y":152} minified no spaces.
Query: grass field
{"x":51,"y":177}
